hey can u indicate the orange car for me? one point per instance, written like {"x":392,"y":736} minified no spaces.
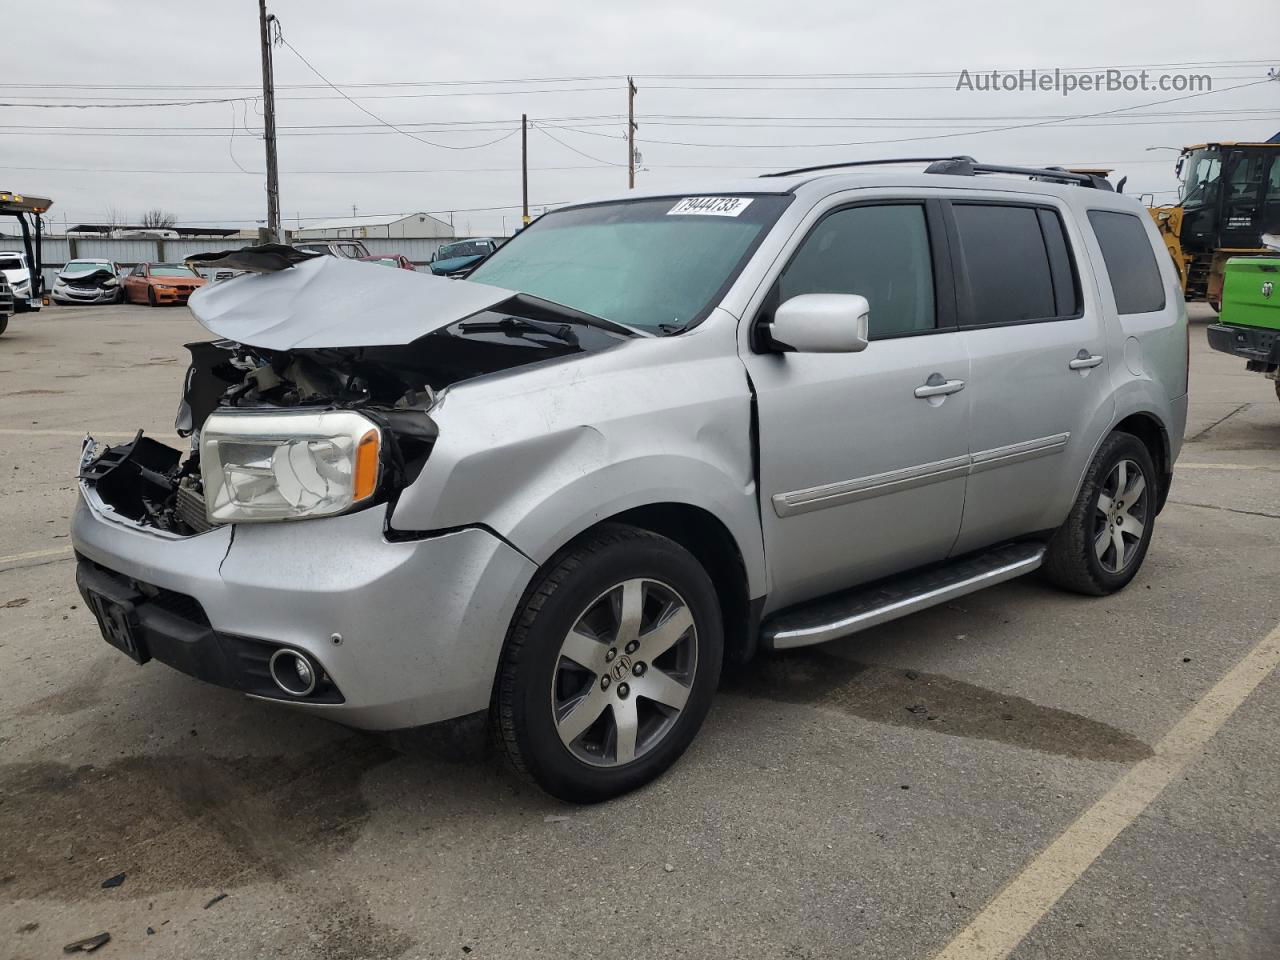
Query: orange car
{"x":157,"y":283}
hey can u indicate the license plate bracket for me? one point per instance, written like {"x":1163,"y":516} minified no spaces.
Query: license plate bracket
{"x":118,"y":621}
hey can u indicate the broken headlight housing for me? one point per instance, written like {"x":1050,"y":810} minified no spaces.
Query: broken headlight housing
{"x":287,"y":466}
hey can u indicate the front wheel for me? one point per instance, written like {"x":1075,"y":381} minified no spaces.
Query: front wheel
{"x":610,"y":665}
{"x":1104,"y":540}
{"x":151,"y":297}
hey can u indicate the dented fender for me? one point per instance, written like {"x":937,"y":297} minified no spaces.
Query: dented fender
{"x":543,"y":456}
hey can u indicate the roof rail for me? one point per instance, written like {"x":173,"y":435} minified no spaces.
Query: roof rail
{"x":869,"y":163}
{"x":968,"y":167}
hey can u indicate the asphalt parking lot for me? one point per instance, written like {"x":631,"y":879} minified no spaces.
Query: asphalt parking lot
{"x":1097,"y":772}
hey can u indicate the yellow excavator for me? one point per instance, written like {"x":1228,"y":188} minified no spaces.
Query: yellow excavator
{"x":1229,"y":197}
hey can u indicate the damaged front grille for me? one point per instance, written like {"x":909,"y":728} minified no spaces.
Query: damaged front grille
{"x":143,"y":481}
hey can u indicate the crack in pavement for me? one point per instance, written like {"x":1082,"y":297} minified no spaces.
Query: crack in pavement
{"x":1243,"y":406}
{"x":1214,"y":506}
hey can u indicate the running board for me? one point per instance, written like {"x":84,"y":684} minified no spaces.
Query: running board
{"x":841,"y":614}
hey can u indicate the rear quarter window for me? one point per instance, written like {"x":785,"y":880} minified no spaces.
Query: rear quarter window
{"x":1131,"y":263}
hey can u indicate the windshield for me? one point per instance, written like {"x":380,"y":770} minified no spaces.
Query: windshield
{"x":8,"y":263}
{"x":1201,"y":172}
{"x":658,"y":265}
{"x":172,"y":270}
{"x":468,"y":248}
{"x":77,"y":267}
{"x":386,"y":261}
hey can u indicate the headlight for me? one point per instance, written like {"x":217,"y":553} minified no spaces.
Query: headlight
{"x":23,"y":287}
{"x":161,"y":286}
{"x":111,"y":283}
{"x":287,"y":466}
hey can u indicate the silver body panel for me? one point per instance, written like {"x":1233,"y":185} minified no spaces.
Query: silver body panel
{"x":859,"y":476}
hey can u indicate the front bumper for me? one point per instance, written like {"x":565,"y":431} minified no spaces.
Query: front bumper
{"x":421,"y":623}
{"x":1258,"y":345}
{"x":179,"y":295}
{"x":84,"y":294}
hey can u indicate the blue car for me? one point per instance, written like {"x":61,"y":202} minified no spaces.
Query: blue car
{"x":455,"y":259}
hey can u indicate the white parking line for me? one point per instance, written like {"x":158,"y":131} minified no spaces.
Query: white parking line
{"x":1006,"y":920}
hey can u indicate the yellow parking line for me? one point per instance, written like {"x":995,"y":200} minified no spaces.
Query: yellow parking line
{"x":35,"y":554}
{"x":1183,"y":465}
{"x":8,"y":431}
{"x":1006,"y":920}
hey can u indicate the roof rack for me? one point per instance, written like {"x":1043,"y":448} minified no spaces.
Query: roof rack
{"x":968,"y":167}
{"x":866,"y":163}
{"x":963,"y":166}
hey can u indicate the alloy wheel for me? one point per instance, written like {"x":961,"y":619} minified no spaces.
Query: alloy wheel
{"x":624,"y":672}
{"x":1120,"y":518}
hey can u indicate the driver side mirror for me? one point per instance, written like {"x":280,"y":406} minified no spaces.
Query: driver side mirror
{"x":822,"y":323}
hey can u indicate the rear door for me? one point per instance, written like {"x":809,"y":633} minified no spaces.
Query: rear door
{"x":1040,"y":391}
{"x":862,"y":462}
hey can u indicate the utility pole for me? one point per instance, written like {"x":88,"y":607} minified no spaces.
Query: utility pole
{"x":269,"y":118}
{"x":631,"y":134}
{"x":524,"y":168}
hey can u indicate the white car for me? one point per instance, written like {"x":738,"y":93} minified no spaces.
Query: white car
{"x":88,"y":281}
{"x":13,"y":264}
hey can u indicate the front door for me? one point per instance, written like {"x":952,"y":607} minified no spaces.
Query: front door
{"x":863,"y":455}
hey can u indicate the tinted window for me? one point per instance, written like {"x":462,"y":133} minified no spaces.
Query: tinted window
{"x":1066,"y":283}
{"x":1005,"y":264}
{"x":1131,"y":263}
{"x":880,"y":252}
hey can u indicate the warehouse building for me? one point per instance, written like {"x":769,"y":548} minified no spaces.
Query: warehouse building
{"x":398,"y":225}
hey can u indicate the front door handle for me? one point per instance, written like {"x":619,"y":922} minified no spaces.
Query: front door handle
{"x":1084,"y":361}
{"x":936,"y":386}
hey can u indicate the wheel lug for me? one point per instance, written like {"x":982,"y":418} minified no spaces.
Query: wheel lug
{"x":623,"y":690}
{"x":608,"y":657}
{"x":633,"y":646}
{"x":604,"y":682}
{"x":639,"y":669}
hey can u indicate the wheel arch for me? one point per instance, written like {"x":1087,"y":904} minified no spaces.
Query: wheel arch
{"x":1150,"y":429}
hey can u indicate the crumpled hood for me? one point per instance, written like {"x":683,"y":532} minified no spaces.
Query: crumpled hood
{"x":331,"y":302}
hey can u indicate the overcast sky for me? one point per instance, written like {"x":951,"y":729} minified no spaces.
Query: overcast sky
{"x":177,"y":51}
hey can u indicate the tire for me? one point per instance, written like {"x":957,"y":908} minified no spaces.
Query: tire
{"x":151,"y":297}
{"x":1099,"y":516}
{"x":4,"y":325}
{"x":1277,"y":386}
{"x":559,"y":718}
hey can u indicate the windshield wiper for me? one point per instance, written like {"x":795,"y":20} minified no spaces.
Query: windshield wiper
{"x":530,"y":304}
{"x":521,"y":326}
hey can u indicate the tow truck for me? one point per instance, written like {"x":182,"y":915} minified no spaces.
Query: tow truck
{"x":27,"y":210}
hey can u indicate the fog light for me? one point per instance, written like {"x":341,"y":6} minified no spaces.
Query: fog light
{"x":293,"y":672}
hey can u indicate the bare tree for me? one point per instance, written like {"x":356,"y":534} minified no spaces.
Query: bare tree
{"x":115,"y":217}
{"x":158,"y":219}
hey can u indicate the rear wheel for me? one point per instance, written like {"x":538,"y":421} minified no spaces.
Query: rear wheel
{"x":610,"y":665}
{"x":1104,"y":540}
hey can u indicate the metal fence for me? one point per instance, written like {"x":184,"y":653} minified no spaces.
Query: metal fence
{"x":128,"y":252}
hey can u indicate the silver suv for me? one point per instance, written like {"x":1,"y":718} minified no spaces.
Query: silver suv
{"x":648,"y":435}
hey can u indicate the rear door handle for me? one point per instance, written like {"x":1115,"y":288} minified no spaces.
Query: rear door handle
{"x":935,"y":386}
{"x":1084,"y":361}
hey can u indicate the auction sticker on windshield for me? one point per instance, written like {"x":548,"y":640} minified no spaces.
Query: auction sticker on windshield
{"x":710,"y":206}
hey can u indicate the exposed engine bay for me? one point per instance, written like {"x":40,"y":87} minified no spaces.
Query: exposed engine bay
{"x":393,"y":385}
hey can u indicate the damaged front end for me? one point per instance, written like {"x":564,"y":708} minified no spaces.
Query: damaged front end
{"x":318,"y":401}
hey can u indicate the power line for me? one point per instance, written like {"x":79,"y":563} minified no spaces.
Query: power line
{"x":381,"y":120}
{"x":580,"y":153}
{"x":600,"y":78}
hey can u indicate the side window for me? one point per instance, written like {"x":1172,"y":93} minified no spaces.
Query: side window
{"x":880,"y":252}
{"x":1131,"y":263}
{"x":1006,"y":264}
